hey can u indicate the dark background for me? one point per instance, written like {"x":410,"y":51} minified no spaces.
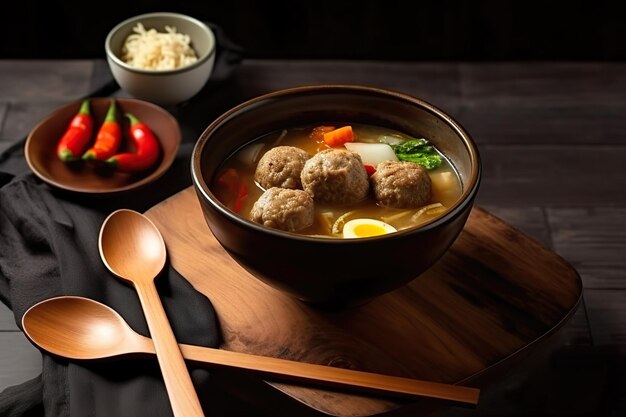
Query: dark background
{"x":481,"y":30}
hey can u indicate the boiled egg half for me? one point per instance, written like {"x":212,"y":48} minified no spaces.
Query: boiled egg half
{"x":366,"y":228}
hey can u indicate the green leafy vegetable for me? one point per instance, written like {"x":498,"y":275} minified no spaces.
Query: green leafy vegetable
{"x":419,"y":151}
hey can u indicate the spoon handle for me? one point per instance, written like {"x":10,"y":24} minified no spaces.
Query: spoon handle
{"x":180,"y":389}
{"x":334,"y":377}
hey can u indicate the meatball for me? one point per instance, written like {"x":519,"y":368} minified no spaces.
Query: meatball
{"x":284,"y":209}
{"x":281,"y":167}
{"x":335,"y":176}
{"x":401,"y":184}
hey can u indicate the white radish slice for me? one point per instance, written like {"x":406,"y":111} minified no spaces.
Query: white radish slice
{"x":372,"y":153}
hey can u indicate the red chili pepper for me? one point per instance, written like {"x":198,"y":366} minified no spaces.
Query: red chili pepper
{"x":241,"y":197}
{"x":369,"y":169}
{"x":147,"y":149}
{"x":77,"y":136}
{"x":108,"y":138}
{"x":236,"y":190}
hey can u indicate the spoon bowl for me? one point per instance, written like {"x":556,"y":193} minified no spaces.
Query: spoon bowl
{"x":132,"y":246}
{"x":80,"y":328}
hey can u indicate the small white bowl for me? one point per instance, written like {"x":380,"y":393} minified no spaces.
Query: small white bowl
{"x":163,"y":87}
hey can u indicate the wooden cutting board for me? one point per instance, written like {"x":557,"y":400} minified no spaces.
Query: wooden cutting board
{"x":492,"y":296}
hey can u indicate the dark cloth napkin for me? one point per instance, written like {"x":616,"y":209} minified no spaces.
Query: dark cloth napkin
{"x":49,"y":247}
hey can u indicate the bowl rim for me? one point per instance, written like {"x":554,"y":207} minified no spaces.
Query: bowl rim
{"x":135,"y":19}
{"x":159,"y":171}
{"x":467,"y":197}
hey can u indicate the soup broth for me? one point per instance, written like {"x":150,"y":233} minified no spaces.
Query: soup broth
{"x":329,"y":218}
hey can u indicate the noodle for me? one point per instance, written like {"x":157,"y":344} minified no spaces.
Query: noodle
{"x":152,"y":50}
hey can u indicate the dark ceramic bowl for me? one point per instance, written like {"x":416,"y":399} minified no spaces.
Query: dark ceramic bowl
{"x":329,"y":271}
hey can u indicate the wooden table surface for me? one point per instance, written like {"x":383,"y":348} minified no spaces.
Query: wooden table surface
{"x":553,"y":140}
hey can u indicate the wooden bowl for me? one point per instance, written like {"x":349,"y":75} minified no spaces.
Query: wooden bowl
{"x":89,"y":177}
{"x":324,"y":271}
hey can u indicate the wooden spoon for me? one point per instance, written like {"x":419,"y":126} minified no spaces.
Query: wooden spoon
{"x":133,"y":249}
{"x":81,"y":328}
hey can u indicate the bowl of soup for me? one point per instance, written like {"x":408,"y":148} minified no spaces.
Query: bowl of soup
{"x":335,"y":194}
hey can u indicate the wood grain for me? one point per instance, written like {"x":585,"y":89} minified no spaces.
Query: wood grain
{"x":576,"y":332}
{"x":585,"y":83}
{"x":436,"y":82}
{"x":552,"y":98}
{"x":100,"y":75}
{"x":607,"y":317}
{"x":511,"y":122}
{"x":607,"y":321}
{"x":44,"y":80}
{"x":533,"y":175}
{"x":532,"y":221}
{"x":293,"y":71}
{"x":133,"y":249}
{"x":593,"y":239}
{"x":495,"y":293}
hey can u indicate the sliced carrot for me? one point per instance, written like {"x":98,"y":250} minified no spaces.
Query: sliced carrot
{"x":339,"y":136}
